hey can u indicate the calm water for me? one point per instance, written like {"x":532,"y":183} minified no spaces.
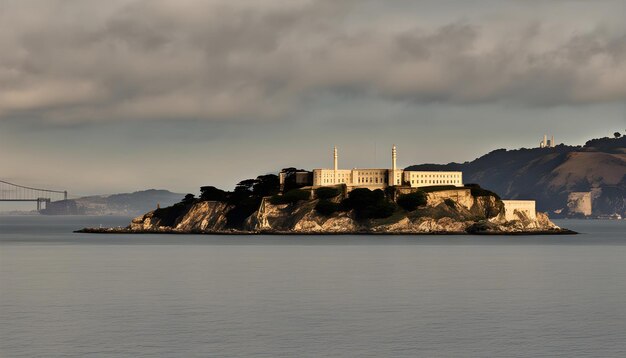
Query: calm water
{"x":79,"y":295}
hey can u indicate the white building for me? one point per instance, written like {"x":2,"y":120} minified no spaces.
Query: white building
{"x":428,"y":178}
{"x":545,"y":143}
{"x":381,"y":178}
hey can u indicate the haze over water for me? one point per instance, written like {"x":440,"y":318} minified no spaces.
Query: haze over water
{"x":79,"y":295}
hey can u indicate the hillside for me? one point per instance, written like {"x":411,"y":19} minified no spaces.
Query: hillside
{"x":550,"y":175}
{"x":116,"y":204}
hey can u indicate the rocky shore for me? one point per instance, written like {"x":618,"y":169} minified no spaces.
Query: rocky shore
{"x":450,"y":212}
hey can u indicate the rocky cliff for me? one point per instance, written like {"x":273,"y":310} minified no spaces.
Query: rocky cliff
{"x":202,"y":216}
{"x":448,"y":211}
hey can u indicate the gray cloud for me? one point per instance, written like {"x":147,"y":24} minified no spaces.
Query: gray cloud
{"x":75,"y":61}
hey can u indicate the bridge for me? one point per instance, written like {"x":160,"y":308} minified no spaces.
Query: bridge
{"x":17,"y":193}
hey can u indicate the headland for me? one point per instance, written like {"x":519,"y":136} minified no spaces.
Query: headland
{"x":354,"y":201}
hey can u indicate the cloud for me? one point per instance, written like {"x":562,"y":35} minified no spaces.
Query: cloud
{"x":81,"y":61}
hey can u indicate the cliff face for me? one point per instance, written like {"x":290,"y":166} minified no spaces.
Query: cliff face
{"x":454,"y":211}
{"x":203,"y":216}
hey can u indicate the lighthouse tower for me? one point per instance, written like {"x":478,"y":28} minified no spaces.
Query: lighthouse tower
{"x":335,"y":165}
{"x":393,"y":173}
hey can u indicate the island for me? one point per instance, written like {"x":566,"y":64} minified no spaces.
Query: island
{"x":346,"y":201}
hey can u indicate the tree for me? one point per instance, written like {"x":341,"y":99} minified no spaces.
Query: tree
{"x":617,"y":134}
{"x":189,"y":199}
{"x":380,"y":210}
{"x":368,"y":204}
{"x":291,"y":197}
{"x":326,"y":207}
{"x":290,"y":179}
{"x":266,"y":185}
{"x":326,"y":192}
{"x":211,"y":193}
{"x":245,"y":185}
{"x":362,"y":197}
{"x":412,"y":201}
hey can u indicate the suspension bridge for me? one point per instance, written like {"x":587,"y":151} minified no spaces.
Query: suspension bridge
{"x":20,"y":193}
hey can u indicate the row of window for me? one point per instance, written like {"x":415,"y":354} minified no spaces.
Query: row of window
{"x":381,"y":181}
{"x":435,"y":175}
{"x":330,"y":175}
{"x":371,"y":180}
{"x":330,"y":181}
{"x":426,"y":181}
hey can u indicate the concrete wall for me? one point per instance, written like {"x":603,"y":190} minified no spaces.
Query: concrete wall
{"x":523,"y":206}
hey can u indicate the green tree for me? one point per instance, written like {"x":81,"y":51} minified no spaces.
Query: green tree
{"x":211,"y":193}
{"x":245,"y":185}
{"x":266,"y":185}
{"x":188,"y":199}
{"x":326,"y":207}
{"x":412,"y":201}
{"x":291,"y":197}
{"x":326,"y":192}
{"x":368,"y":204}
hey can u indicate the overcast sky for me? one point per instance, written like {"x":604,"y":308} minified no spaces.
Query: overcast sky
{"x":122,"y":95}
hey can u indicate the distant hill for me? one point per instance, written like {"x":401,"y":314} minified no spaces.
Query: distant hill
{"x":549,"y":175}
{"x":135,"y":203}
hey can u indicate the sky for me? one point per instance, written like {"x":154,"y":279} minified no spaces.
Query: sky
{"x":114,"y":96}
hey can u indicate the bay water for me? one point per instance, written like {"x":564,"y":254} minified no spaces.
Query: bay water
{"x":64,"y":294}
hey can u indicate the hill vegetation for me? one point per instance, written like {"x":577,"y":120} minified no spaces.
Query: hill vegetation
{"x":117,"y":204}
{"x":548,"y":175}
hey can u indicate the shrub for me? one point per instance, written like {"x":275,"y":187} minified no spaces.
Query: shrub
{"x":169,"y":214}
{"x":433,"y":188}
{"x":362,"y":197}
{"x":379,"y":210}
{"x":478,"y":191}
{"x":368,"y":204}
{"x":412,"y":201}
{"x":450,"y":203}
{"x":326,"y":207}
{"x":244,"y":208}
{"x":290,"y":197}
{"x":326,"y":192}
